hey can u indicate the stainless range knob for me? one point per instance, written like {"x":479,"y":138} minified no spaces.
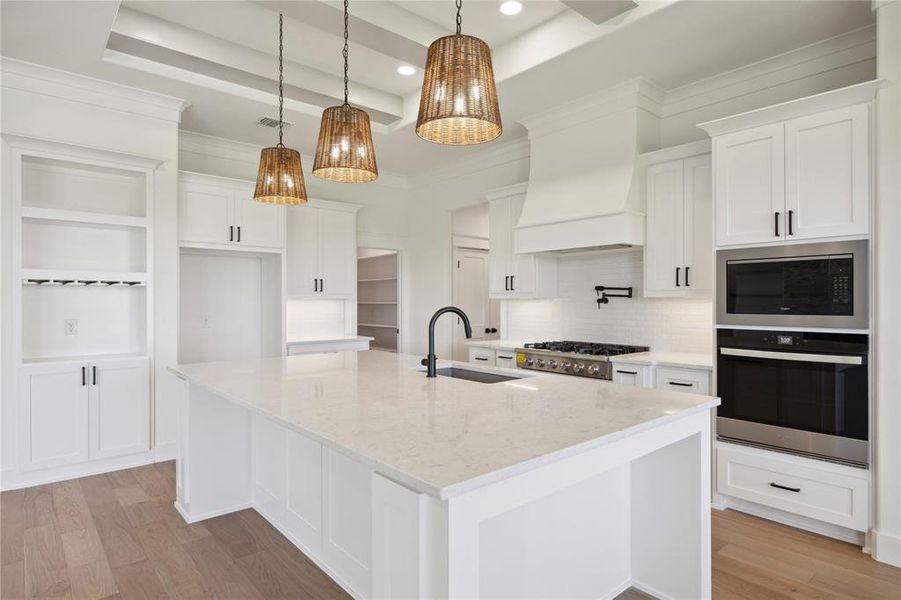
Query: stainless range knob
{"x":539,"y":363}
{"x":578,"y":368}
{"x":529,"y":362}
{"x":593,"y":369}
{"x":552,"y":364}
{"x":565,"y":366}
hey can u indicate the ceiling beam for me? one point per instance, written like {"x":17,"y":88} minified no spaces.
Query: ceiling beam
{"x":598,"y":11}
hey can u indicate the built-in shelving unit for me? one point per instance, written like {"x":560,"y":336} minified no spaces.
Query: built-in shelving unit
{"x":377,"y":297}
{"x":84,"y":257}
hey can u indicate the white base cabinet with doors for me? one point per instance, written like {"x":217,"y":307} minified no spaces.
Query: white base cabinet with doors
{"x":799,"y":170}
{"x":512,"y":275}
{"x":217,"y":212}
{"x":678,"y":253}
{"x":76,"y":411}
{"x":322,"y":250}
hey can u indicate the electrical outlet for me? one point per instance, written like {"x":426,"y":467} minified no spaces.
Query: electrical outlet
{"x":70,"y":326}
{"x":204,"y":322}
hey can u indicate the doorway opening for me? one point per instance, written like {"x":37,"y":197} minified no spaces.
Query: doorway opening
{"x":378,"y":293}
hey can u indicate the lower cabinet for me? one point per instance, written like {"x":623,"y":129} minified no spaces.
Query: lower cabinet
{"x":505,"y":359}
{"x":72,"y":412}
{"x":634,"y":375}
{"x":677,"y":379}
{"x":318,"y":497}
{"x":820,"y":490}
{"x":482,"y":356}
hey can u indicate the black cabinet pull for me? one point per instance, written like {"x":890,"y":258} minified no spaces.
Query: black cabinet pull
{"x":776,"y":223}
{"x":316,"y":285}
{"x":239,"y":233}
{"x":480,"y":358}
{"x":94,"y":375}
{"x":627,"y":372}
{"x":505,"y":357}
{"x":677,"y":276}
{"x":784,"y":487}
{"x":680,"y":384}
{"x":84,"y":376}
{"x":231,"y":233}
{"x":507,"y":283}
{"x":512,"y":281}
{"x":321,"y":285}
{"x":686,"y":277}
{"x":487,"y":330}
{"x":791,"y":213}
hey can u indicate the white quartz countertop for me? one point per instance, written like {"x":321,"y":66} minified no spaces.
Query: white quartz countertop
{"x":350,"y":338}
{"x":441,"y":436}
{"x":495,"y":344}
{"x":668,"y":359}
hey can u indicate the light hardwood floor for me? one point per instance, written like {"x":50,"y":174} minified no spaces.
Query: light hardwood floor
{"x":118,"y":536}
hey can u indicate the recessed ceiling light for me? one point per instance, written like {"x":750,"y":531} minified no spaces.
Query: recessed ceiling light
{"x":511,"y":7}
{"x":406,"y":70}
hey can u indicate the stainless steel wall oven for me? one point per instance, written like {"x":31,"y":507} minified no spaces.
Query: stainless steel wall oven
{"x":805,"y":392}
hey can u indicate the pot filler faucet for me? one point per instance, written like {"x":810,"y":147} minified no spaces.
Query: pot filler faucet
{"x":429,"y":361}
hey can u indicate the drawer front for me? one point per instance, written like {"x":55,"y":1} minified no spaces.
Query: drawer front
{"x":505,"y":358}
{"x":822,"y":491}
{"x":692,"y":381}
{"x":634,"y":375}
{"x":481,"y":356}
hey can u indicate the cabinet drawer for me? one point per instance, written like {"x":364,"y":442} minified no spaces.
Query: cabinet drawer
{"x":482,"y":356}
{"x":692,"y":381}
{"x":505,"y":358}
{"x":634,"y":375}
{"x":819,"y":490}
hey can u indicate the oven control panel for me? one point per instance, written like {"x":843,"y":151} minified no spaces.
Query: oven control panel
{"x":566,"y":364}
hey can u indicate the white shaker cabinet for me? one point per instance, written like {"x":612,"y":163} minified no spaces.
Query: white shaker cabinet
{"x":53,"y":414}
{"x":322,"y":250}
{"x":216,"y":211}
{"x":827,"y":174}
{"x":750,"y":185}
{"x":119,"y":407}
{"x":72,"y":412}
{"x":512,"y":275}
{"x":632,"y":375}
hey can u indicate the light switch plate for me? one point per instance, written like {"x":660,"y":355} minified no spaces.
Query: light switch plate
{"x":204,"y":322}
{"x":70,"y":326}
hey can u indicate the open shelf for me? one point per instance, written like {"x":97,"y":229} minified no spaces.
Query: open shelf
{"x":377,"y":298}
{"x":83,"y":276}
{"x":82,"y":357}
{"x":78,"y":216}
{"x":379,"y":325}
{"x":377,"y":303}
{"x":54,"y":244}
{"x":374,"y":279}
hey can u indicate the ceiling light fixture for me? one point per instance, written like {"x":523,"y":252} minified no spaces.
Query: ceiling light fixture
{"x":510,"y":8}
{"x":458,"y":103}
{"x":345,"y":152}
{"x":406,"y":70}
{"x":280,"y":177}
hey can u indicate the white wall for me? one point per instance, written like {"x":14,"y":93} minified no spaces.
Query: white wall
{"x":664,"y":324}
{"x":471,"y":221}
{"x":57,"y":106}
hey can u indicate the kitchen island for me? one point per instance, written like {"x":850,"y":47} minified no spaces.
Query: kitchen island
{"x":402,"y":486}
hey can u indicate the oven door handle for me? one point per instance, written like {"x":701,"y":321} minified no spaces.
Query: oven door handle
{"x":836,"y":359}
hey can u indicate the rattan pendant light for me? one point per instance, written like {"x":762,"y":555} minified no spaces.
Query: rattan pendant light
{"x":458,"y":102}
{"x":280,"y":177}
{"x":344,"y":152}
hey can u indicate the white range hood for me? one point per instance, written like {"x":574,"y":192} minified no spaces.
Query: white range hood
{"x":585,"y":192}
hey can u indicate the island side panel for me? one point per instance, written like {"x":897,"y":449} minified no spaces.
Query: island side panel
{"x":215,"y":456}
{"x":671,"y":546}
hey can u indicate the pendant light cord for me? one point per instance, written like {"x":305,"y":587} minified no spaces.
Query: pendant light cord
{"x":344,"y":53}
{"x":459,"y":18}
{"x":281,"y":80}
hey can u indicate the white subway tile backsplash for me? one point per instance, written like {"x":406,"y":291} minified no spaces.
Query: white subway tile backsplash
{"x":664,"y":324}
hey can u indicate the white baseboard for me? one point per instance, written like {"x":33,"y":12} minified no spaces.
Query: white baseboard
{"x":797,"y":521}
{"x":216,"y":513}
{"x":887,"y":547}
{"x":13,"y":479}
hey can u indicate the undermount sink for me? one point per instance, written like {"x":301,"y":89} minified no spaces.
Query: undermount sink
{"x":479,"y":376}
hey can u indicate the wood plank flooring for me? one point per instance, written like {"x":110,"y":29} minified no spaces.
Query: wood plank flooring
{"x":117,"y":536}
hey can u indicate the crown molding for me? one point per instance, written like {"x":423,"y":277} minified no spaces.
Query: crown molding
{"x":820,"y":57}
{"x":501,"y":154}
{"x":201,"y":143}
{"x":38,"y":79}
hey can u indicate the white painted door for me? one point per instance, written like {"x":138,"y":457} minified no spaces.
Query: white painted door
{"x":258,"y":224}
{"x":337,"y":254}
{"x":302,"y":257}
{"x":53,"y":415}
{"x":827,"y":173}
{"x":664,"y":246}
{"x":471,"y":295}
{"x":698,"y":227}
{"x":750,"y":185}
{"x":347,"y":519}
{"x":120,"y":407}
{"x":523,"y":265}
{"x":205,"y":214}
{"x":500,"y":231}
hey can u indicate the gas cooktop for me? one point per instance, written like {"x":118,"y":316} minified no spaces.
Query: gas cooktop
{"x":585,"y":359}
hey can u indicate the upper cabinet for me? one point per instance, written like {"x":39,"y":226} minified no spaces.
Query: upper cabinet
{"x":678,"y":253}
{"x":799,"y":170}
{"x":220,"y":212}
{"x":322,"y":250}
{"x":515,"y":275}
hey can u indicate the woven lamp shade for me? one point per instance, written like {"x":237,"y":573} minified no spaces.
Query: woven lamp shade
{"x":280,"y":178}
{"x":458,"y":105}
{"x":345,"y":152}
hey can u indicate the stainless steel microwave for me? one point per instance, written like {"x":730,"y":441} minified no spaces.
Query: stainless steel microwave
{"x":821,"y":285}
